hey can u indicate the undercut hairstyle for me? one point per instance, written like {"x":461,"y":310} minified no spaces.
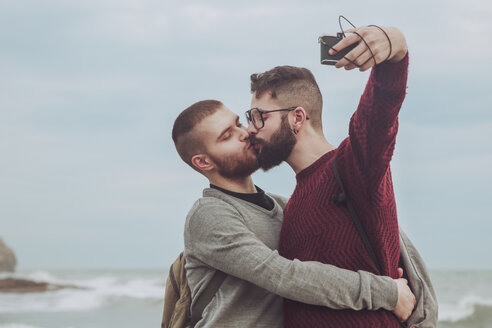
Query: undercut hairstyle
{"x":187,"y":141}
{"x":291,"y":86}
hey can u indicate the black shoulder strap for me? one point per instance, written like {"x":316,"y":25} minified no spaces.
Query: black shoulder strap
{"x":207,"y":296}
{"x":343,"y":198}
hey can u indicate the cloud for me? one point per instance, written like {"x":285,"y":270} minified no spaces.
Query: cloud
{"x":470,"y":138}
{"x":143,"y":22}
{"x":134,"y":27}
{"x":455,"y":36}
{"x":439,"y":159}
{"x":206,"y":16}
{"x":127,"y":23}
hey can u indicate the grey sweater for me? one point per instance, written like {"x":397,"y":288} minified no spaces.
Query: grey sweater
{"x":241,"y":239}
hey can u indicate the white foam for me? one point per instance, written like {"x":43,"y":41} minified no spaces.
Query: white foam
{"x":16,"y":325}
{"x":94,"y":292}
{"x":465,"y":308}
{"x":42,"y":276}
{"x":50,"y":302}
{"x":136,"y":288}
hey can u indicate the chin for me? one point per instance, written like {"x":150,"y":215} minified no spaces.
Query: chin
{"x":267,"y":163}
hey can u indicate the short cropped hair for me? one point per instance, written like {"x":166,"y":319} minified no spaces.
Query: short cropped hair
{"x":291,"y":86}
{"x":188,"y":143}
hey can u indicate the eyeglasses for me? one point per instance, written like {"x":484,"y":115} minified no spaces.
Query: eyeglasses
{"x":255,"y":115}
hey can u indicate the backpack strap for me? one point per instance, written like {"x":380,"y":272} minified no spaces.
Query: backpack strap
{"x":207,"y":296}
{"x":343,"y":198}
{"x":174,"y":283}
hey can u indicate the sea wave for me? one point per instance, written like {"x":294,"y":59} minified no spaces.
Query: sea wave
{"x":467,"y":307}
{"x":91,"y":292}
{"x":19,"y":325}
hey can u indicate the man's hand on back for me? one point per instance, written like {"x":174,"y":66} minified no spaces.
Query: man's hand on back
{"x":377,"y":40}
{"x":406,"y":299}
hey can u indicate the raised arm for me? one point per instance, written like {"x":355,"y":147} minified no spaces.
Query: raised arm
{"x":374,"y":125}
{"x":219,"y":238}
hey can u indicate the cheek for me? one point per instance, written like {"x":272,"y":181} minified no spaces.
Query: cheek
{"x":232,"y":147}
{"x":270,"y":127}
{"x":264,"y":134}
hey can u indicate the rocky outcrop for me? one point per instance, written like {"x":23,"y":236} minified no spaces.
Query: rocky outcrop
{"x":11,"y":285}
{"x":7,"y":258}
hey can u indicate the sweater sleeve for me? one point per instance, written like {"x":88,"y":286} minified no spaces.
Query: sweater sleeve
{"x":219,"y":238}
{"x":374,"y":125}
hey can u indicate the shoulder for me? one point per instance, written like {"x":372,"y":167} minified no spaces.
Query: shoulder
{"x":210,"y":212}
{"x":346,"y":156}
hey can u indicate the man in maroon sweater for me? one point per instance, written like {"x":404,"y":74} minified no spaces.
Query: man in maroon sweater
{"x":285,"y":125}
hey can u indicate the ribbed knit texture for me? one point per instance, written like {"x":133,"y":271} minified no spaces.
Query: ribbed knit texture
{"x":317,"y":229}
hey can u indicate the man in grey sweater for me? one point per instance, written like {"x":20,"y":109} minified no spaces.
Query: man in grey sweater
{"x":235,"y":228}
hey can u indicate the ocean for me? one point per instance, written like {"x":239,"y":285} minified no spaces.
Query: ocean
{"x":134,"y":299}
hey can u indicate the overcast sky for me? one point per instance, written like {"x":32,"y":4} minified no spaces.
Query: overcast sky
{"x":89,"y":90}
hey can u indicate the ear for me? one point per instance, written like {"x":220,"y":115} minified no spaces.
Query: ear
{"x":299,"y":117}
{"x":202,"y":162}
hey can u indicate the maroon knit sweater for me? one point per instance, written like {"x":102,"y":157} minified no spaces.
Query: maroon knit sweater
{"x":315,"y":228}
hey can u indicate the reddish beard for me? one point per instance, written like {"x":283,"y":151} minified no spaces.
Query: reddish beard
{"x":235,"y":166}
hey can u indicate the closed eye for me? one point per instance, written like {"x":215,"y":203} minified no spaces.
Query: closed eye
{"x":226,"y":136}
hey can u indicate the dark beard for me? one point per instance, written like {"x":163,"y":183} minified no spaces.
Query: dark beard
{"x":278,"y":149}
{"x":233,"y":168}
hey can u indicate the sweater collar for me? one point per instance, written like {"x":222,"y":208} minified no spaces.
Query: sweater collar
{"x":212,"y":192}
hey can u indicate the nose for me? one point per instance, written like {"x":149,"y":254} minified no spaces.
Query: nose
{"x":252,"y":129}
{"x":244,"y":133}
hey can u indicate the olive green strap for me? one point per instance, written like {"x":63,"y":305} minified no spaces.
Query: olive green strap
{"x":207,"y":296}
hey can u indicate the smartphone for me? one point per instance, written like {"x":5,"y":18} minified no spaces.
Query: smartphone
{"x":327,"y":41}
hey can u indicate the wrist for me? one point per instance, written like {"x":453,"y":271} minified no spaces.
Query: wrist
{"x":399,"y":55}
{"x":393,"y":297}
{"x":398,"y":44}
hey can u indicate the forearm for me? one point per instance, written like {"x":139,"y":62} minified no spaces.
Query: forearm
{"x":307,"y":282}
{"x":321,"y":284}
{"x":389,"y":83}
{"x":374,"y":125}
{"x":382,"y":98}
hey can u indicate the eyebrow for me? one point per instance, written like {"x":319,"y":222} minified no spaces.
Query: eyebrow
{"x":228,"y":128}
